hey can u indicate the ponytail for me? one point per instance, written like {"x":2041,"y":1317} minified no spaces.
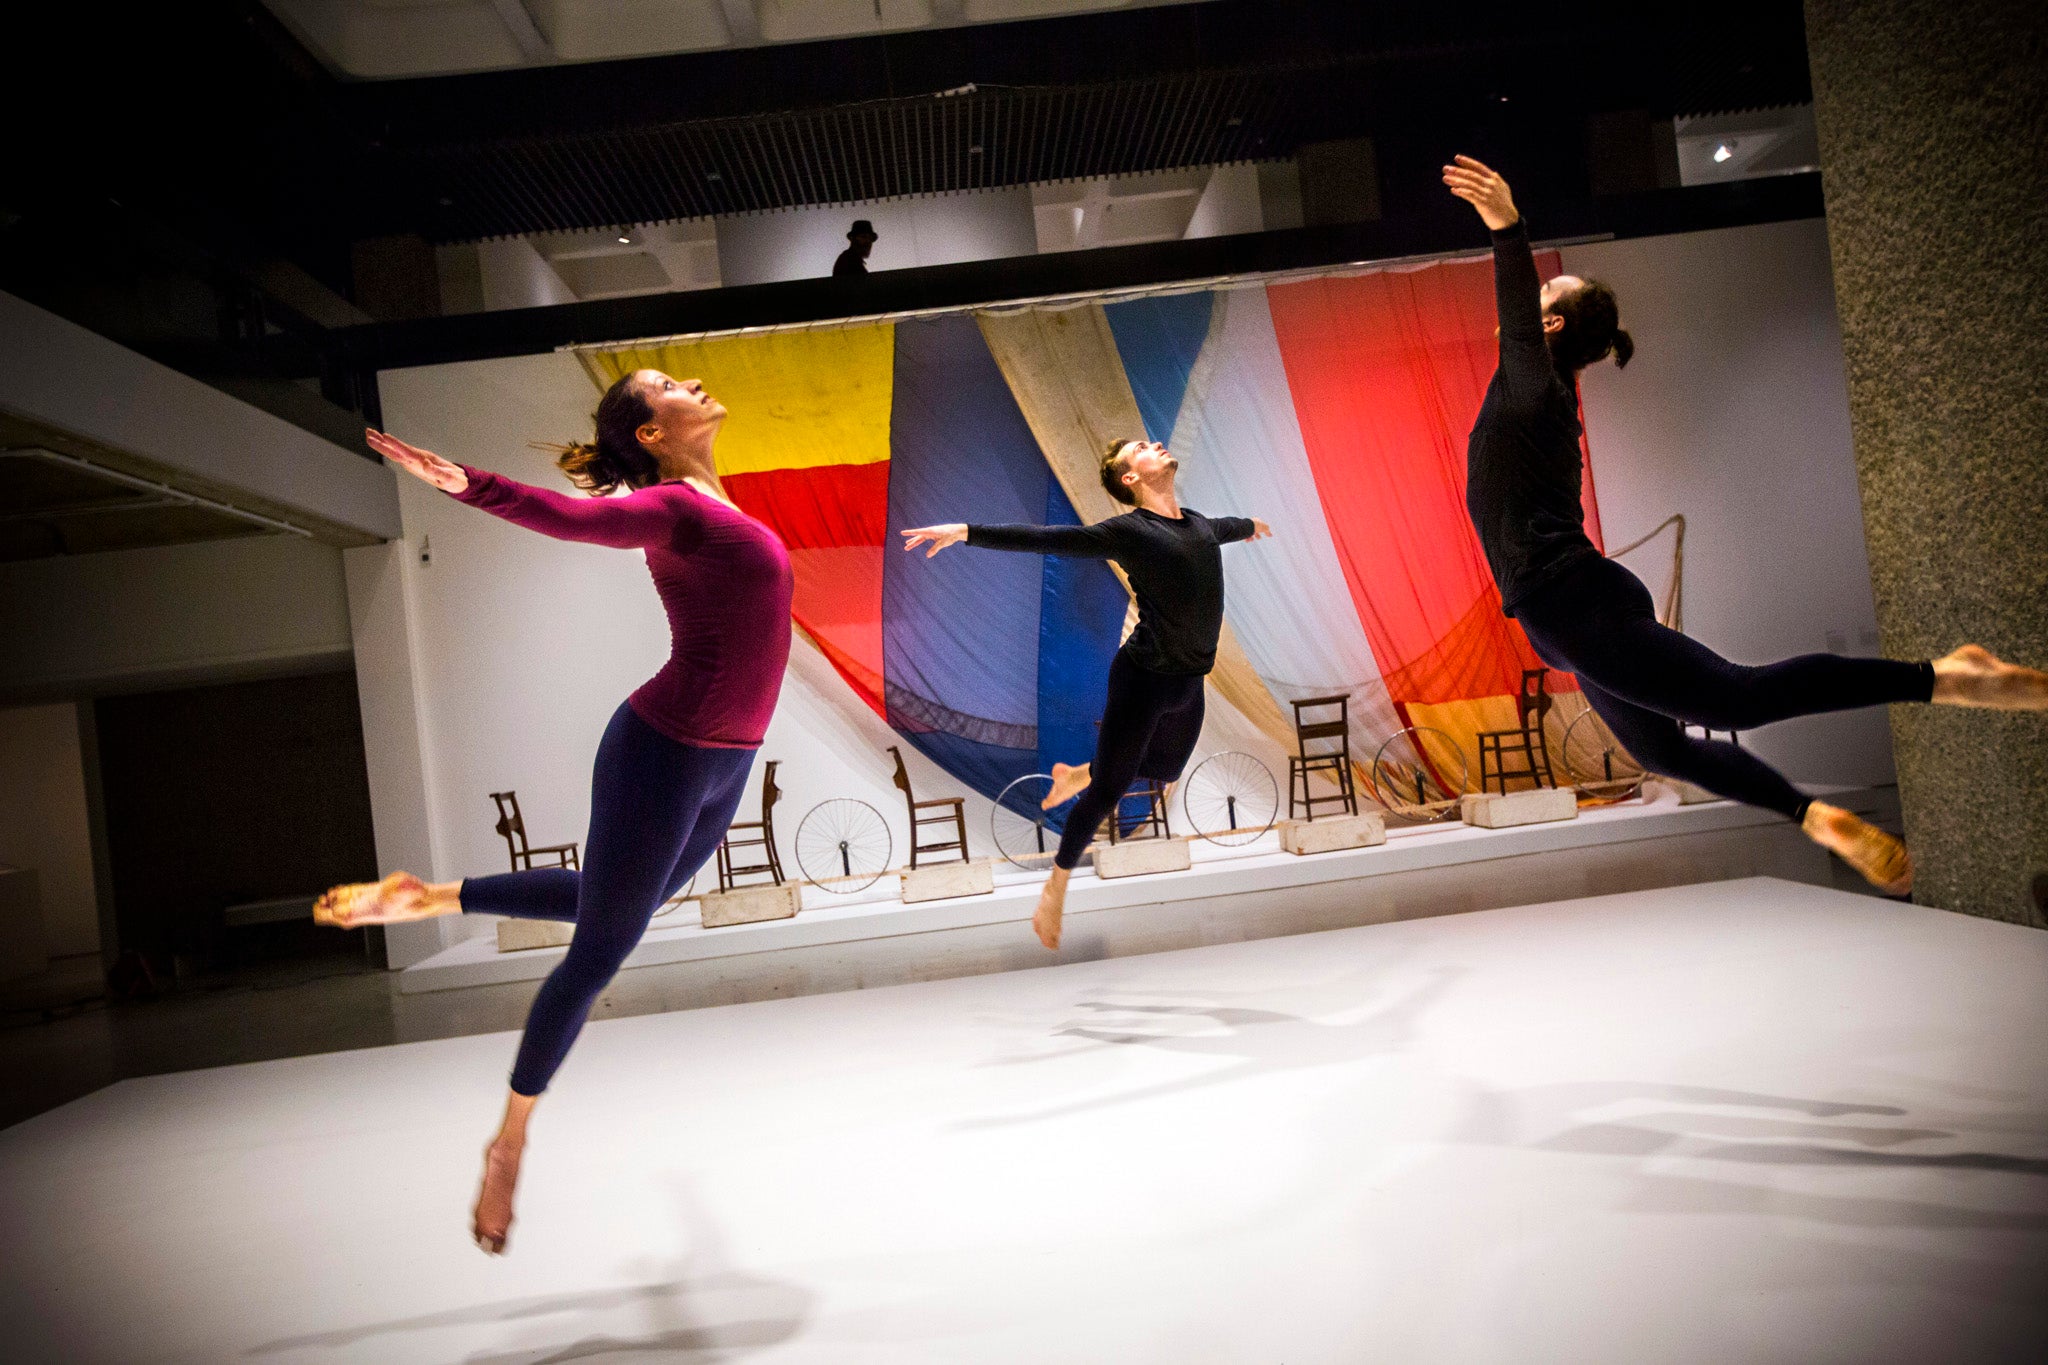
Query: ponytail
{"x":614,"y":457}
{"x":1592,"y":329}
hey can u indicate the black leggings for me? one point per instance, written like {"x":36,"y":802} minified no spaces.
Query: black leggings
{"x":1597,"y":621}
{"x":1149,"y":727}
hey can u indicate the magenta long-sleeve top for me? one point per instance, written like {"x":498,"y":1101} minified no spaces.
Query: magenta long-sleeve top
{"x":724,"y":580}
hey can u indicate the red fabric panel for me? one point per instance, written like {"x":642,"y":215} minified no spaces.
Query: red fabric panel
{"x":826,"y":505}
{"x":833,"y":518}
{"x":1387,"y":373}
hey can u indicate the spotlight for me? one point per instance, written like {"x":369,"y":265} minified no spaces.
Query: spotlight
{"x":1723,"y":152}
{"x":625,"y":237}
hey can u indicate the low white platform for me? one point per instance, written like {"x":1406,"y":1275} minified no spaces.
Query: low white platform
{"x":840,"y":942}
{"x":1750,"y":1121}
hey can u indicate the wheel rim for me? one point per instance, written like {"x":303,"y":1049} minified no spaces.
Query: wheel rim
{"x":1596,"y":762}
{"x":1024,"y":834}
{"x":843,"y":846}
{"x":1419,"y":773}
{"x":1230,"y":798}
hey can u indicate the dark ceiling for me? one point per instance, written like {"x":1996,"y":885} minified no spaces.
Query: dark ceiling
{"x":193,"y":184}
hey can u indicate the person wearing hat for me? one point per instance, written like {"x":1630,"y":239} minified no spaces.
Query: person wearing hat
{"x":853,"y":261}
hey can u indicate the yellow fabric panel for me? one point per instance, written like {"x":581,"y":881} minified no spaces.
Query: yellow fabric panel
{"x":1064,"y":370}
{"x":1463,"y":721}
{"x":797,"y":399}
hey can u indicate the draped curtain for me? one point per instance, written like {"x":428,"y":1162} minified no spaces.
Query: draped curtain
{"x":1336,"y":408}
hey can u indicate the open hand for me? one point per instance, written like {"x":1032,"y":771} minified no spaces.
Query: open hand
{"x":939,"y":537}
{"x":1259,"y":529}
{"x":445,"y":475}
{"x":1480,"y":186}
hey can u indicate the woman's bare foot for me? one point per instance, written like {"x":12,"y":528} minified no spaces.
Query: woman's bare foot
{"x":491,"y":1220}
{"x":1052,"y":901}
{"x":400,"y":896}
{"x":1974,"y":676}
{"x":1881,"y":859}
{"x":1069,"y":780}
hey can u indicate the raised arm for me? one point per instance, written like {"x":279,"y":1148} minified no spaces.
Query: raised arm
{"x":633,"y":522}
{"x":1517,"y":293}
{"x":1099,"y":541}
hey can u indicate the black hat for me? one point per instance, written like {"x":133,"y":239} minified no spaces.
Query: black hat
{"x":862,"y":228}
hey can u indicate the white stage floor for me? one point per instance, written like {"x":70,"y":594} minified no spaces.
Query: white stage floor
{"x":1749,"y":1121}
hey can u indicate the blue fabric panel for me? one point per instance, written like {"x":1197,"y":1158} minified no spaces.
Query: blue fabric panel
{"x":1080,"y":617}
{"x":1158,"y":340}
{"x":961,"y":630}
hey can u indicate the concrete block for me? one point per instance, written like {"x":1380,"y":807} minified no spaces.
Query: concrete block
{"x":1327,"y":835}
{"x":1688,"y":794}
{"x":516,"y":935}
{"x":1137,"y":857}
{"x":750,"y":904}
{"x":947,"y":880}
{"x":1490,"y":810}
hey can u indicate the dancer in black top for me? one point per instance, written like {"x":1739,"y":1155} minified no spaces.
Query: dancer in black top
{"x":1172,"y":556}
{"x":1587,"y":615}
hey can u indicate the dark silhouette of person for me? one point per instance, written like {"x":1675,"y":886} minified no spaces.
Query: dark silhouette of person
{"x":853,"y":262}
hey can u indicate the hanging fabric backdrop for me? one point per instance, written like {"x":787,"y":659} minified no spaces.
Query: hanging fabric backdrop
{"x":1335,"y":407}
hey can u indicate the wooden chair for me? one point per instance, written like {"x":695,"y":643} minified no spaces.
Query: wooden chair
{"x":1336,"y":762}
{"x":512,"y":826}
{"x":1151,"y":824}
{"x":728,"y":870}
{"x":1525,"y":742}
{"x":945,"y":810}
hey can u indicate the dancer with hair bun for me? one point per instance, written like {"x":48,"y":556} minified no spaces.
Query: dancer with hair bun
{"x":1153,"y":715}
{"x":1586,"y":614}
{"x":674,"y":759}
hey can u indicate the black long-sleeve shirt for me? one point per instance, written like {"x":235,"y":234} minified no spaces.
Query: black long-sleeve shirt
{"x":1175,"y":565}
{"x":1522,"y":465}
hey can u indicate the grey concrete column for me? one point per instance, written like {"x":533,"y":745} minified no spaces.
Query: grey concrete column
{"x":1934,"y":150}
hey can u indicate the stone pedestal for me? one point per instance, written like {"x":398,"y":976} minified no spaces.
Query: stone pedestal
{"x":1137,"y":857}
{"x":1362,"y":830}
{"x":516,"y":935}
{"x":1686,"y":792}
{"x":1489,"y":810}
{"x":948,"y":880}
{"x":751,"y":904}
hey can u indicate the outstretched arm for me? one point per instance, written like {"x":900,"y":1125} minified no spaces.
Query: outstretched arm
{"x":1524,"y":354}
{"x":1230,"y":529}
{"x":1099,"y":541}
{"x":633,"y":522}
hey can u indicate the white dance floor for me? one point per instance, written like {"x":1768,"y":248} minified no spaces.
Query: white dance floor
{"x":1749,"y":1121}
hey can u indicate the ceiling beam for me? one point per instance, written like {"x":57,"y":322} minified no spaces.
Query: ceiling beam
{"x":518,"y":21}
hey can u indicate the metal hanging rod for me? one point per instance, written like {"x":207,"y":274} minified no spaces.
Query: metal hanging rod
{"x":1080,"y":297}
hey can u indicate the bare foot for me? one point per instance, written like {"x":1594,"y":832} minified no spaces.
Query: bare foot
{"x":1881,"y":859}
{"x":1045,"y":921}
{"x":1068,"y":781}
{"x":400,"y":896}
{"x":1974,"y":676}
{"x":491,"y":1220}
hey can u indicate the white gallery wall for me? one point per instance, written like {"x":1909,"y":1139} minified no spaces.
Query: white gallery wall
{"x":1735,"y":412}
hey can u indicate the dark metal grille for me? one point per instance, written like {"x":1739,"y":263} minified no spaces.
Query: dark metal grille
{"x":924,"y":145}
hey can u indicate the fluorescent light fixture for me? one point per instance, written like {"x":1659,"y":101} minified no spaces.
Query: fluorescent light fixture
{"x":1723,"y":152}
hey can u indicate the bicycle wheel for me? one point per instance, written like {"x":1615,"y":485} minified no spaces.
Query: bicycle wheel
{"x":1599,"y":767}
{"x":843,"y":846}
{"x":669,"y":906}
{"x":1419,"y":773}
{"x":1026,"y":834}
{"x":1230,"y":798}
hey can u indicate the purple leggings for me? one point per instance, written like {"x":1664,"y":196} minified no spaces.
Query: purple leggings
{"x":1597,"y":620}
{"x":658,"y":809}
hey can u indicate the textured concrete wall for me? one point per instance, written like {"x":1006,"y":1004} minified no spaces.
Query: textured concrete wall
{"x":1934,"y":149}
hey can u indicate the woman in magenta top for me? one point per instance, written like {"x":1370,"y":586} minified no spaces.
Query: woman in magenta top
{"x":673,"y":761}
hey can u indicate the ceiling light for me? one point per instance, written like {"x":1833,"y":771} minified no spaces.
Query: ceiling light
{"x":1723,"y":152}
{"x":625,"y":237}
